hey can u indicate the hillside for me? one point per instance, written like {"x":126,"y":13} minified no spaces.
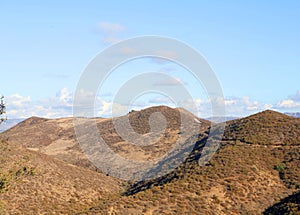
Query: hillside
{"x":289,"y":205}
{"x":33,"y":183}
{"x":56,"y":137}
{"x":257,"y":165}
{"x":9,"y":123}
{"x":265,"y":128}
{"x":242,"y":178}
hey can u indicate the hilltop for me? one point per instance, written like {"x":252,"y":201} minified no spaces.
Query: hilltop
{"x":265,"y":128}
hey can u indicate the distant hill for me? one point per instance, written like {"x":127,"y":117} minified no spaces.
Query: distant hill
{"x":256,"y":166}
{"x":221,"y":119}
{"x":295,"y":114}
{"x":9,"y":124}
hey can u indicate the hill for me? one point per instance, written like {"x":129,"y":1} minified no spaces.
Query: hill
{"x":34,"y":183}
{"x":244,"y":177}
{"x":256,"y":166}
{"x":265,"y":128}
{"x":9,"y":123}
{"x":56,"y":137}
{"x":293,"y":114}
{"x":221,"y":119}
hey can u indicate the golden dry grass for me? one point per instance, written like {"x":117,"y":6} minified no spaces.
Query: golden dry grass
{"x":257,"y":165}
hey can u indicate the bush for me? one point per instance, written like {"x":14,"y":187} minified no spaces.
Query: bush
{"x":2,"y":109}
{"x":280,"y":168}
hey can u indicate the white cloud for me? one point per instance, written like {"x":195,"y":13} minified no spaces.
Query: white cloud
{"x":164,"y":57}
{"x":172,"y":81}
{"x":160,"y":100}
{"x":104,"y":108}
{"x":128,"y":51}
{"x":286,"y":103}
{"x":55,"y":76}
{"x":109,"y":109}
{"x":167,"y":54}
{"x":238,"y":106}
{"x":111,"y":31}
{"x":23,"y":106}
{"x":292,"y":102}
{"x":230,"y":102}
{"x":241,"y":106}
{"x":63,"y":100}
{"x":296,"y":97}
{"x":110,"y":28}
{"x":61,"y":105}
{"x":111,"y":39}
{"x":18,"y":101}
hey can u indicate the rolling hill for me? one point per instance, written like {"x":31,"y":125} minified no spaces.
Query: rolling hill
{"x":34,"y":183}
{"x":250,"y":172}
{"x":56,"y":137}
{"x":257,"y":166}
{"x":9,"y":123}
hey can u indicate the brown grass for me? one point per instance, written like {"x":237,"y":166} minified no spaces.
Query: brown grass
{"x":257,"y":165}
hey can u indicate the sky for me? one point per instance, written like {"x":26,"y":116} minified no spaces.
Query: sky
{"x":252,"y":46}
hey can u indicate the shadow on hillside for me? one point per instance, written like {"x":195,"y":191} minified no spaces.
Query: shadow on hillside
{"x":288,"y":205}
{"x":177,"y":173}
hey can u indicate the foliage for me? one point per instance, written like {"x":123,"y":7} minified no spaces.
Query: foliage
{"x":2,"y":109}
{"x":280,"y":168}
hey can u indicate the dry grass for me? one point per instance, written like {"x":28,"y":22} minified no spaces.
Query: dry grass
{"x":289,"y":205}
{"x":244,"y":177}
{"x":33,"y":183}
{"x":257,"y":165}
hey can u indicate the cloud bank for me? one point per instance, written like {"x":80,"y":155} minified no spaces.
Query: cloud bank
{"x":292,"y":102}
{"x":61,"y":105}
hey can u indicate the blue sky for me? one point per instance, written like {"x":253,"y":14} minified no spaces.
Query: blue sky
{"x":252,"y":46}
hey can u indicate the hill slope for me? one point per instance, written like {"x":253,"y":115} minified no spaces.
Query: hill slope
{"x":56,"y":137}
{"x":9,"y":123}
{"x":33,"y":183}
{"x":244,"y":177}
{"x":289,"y":205}
{"x":265,"y":128}
{"x":257,"y":165}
